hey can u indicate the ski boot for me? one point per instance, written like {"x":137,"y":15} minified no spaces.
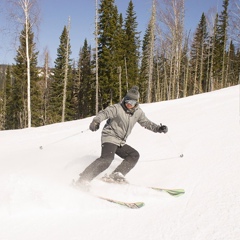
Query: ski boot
{"x":83,"y":185}
{"x":115,"y":177}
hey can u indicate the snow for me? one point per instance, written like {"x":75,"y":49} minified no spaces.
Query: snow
{"x":38,"y":202}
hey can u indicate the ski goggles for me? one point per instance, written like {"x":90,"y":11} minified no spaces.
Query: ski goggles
{"x":131,"y":102}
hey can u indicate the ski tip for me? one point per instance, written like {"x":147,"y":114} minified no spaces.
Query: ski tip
{"x":139,"y":204}
{"x":173,"y":192}
{"x":176,"y":192}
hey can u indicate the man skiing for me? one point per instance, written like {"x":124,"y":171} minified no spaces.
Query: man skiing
{"x":121,"y":118}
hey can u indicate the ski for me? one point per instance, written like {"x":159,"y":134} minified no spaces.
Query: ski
{"x":172,"y":192}
{"x":132,"y":205}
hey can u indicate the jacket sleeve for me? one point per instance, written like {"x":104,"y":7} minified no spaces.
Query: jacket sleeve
{"x":145,"y":122}
{"x":108,"y":112}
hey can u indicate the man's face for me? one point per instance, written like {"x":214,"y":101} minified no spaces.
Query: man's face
{"x":130,"y":103}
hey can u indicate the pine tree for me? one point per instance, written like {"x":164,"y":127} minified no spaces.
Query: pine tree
{"x":232,"y":70}
{"x":119,"y":38}
{"x":198,"y":56}
{"x":143,"y":78}
{"x":221,"y":43}
{"x":132,"y":44}
{"x":86,"y":93}
{"x":20,"y":85}
{"x":108,"y":22}
{"x":185,"y":69}
{"x":212,"y":56}
{"x":26,"y":14}
{"x":236,"y":80}
{"x":149,"y":61}
{"x":57,"y":85}
{"x":44,"y":86}
{"x":66,"y":73}
{"x":96,"y":59}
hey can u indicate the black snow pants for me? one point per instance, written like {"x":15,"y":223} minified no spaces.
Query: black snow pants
{"x":129,"y":154}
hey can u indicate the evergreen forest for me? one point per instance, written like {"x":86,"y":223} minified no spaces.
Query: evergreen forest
{"x":168,"y":63}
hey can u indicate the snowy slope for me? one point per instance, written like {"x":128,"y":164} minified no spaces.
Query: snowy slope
{"x":37,"y":201}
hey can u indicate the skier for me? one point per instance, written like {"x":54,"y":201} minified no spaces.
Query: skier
{"x":121,"y":118}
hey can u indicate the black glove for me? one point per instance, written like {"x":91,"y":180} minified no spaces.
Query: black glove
{"x":94,"y":126}
{"x":163,"y":129}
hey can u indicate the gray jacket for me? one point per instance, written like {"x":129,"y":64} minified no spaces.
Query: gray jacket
{"x":121,"y":122}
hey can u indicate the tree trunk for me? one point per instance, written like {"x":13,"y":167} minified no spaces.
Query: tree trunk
{"x":65,"y":74}
{"x":45,"y":93}
{"x":96,"y":43}
{"x":172,"y":18}
{"x":186,"y":79}
{"x":28,"y":18}
{"x":120,"y":82}
{"x":28,"y":76}
{"x":151,"y":49}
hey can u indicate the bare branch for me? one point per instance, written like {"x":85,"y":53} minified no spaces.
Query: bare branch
{"x":25,"y":14}
{"x":235,"y":20}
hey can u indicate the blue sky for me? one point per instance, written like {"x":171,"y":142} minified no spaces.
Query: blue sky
{"x":55,"y":13}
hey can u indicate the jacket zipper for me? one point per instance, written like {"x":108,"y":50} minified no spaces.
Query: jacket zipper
{"x":124,"y":138}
